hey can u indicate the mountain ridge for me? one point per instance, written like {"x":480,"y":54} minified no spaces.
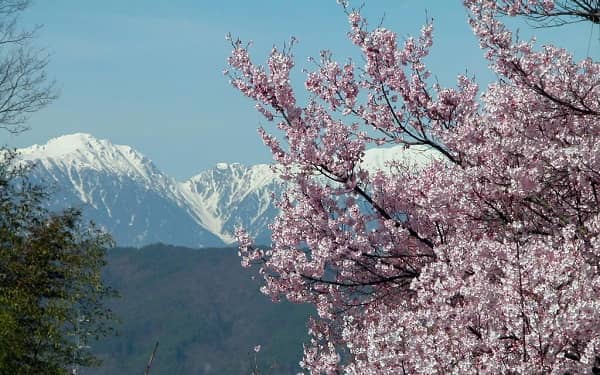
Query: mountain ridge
{"x":124,"y":192}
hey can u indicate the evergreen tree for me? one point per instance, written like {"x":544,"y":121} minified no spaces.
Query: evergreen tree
{"x":51,"y":291}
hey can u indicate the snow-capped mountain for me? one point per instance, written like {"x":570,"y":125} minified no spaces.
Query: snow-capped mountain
{"x":230,"y":195}
{"x":119,"y":189}
{"x":125,"y":193}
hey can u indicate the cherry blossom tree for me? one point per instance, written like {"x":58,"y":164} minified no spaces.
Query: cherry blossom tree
{"x":485,"y":260}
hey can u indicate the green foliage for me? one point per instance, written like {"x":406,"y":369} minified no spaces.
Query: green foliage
{"x":205,"y":310}
{"x":51,"y":291}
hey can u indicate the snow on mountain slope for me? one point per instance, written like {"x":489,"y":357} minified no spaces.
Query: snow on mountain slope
{"x":119,"y":189}
{"x":100,"y":155}
{"x":231,"y":195}
{"x":124,"y":192}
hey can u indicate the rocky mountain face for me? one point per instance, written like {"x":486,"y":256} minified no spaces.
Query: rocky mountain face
{"x":232,"y":195}
{"x":124,"y":192}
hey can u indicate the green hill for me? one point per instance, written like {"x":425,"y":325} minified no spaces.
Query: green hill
{"x":203,"y":308}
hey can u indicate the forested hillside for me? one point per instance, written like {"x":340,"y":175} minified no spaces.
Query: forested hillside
{"x":204,"y":309}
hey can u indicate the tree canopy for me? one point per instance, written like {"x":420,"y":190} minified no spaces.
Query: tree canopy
{"x":51,"y":291}
{"x":486,"y":260}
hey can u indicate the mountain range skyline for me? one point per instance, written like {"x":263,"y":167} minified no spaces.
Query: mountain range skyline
{"x":124,"y":192}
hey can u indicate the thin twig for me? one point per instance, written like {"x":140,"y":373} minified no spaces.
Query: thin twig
{"x":147,"y":372}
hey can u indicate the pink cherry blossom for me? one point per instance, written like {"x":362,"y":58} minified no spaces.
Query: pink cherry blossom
{"x":483,"y":261}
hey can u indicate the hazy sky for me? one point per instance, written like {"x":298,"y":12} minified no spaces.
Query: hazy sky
{"x":147,"y":73}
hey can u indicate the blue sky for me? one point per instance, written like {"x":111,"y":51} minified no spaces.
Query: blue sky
{"x":147,"y":73}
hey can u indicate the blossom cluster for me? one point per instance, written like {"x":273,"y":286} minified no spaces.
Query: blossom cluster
{"x":486,"y":260}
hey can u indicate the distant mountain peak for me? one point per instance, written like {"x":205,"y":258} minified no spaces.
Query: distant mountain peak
{"x":222,"y":166}
{"x":124,"y":192}
{"x":84,"y":151}
{"x":67,"y":144}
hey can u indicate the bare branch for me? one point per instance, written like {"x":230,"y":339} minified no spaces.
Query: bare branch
{"x":24,"y":85}
{"x":564,"y":12}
